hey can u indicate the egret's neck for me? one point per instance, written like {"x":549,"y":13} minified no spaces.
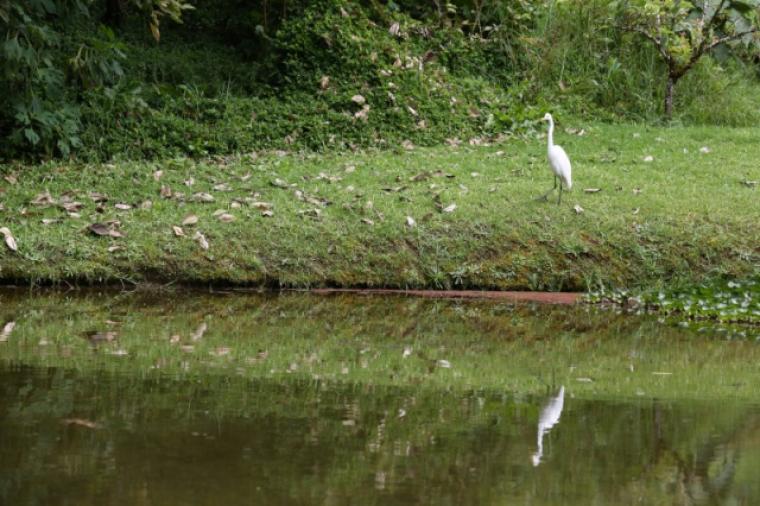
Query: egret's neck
{"x":551,"y":134}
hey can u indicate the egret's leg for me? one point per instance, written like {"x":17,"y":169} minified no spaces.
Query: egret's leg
{"x":545,"y":196}
{"x":559,"y":200}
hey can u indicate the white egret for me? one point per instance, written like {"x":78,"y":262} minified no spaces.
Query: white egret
{"x":558,"y":161}
{"x":549,"y":417}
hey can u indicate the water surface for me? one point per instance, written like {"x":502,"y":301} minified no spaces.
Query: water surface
{"x":185,"y":398}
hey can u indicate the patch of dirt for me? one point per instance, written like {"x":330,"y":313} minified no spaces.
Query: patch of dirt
{"x":543,"y":297}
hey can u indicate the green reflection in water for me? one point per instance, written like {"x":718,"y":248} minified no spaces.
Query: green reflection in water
{"x":239,"y":441}
{"x":378,"y":341}
{"x":165,"y":399}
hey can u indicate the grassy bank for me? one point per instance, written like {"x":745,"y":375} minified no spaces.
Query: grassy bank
{"x":674,"y":204}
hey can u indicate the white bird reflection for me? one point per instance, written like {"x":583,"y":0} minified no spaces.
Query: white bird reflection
{"x":548,"y":419}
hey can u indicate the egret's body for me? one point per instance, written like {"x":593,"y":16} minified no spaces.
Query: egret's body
{"x":558,"y":161}
{"x":549,"y":417}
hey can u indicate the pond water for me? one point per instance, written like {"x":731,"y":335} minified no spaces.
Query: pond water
{"x":175,"y":398}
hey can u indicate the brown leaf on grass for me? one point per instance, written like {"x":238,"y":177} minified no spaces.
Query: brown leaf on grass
{"x":578,"y":209}
{"x":10,"y":241}
{"x":123,"y":207}
{"x":49,"y":221}
{"x":410,"y":222}
{"x":407,"y":144}
{"x":157,"y":175}
{"x":146,"y":204}
{"x":97,"y":197}
{"x":43,"y":199}
{"x":178,"y":231}
{"x":592,"y":190}
{"x":367,"y":221}
{"x":199,"y":332}
{"x":203,"y":197}
{"x":449,"y":208}
{"x":190,"y":181}
{"x":220,"y":351}
{"x":11,"y":178}
{"x":6,"y":332}
{"x":358,"y":99}
{"x":72,"y":207}
{"x":422,"y":176}
{"x":222,"y":187}
{"x":166,"y":192}
{"x":324,"y":82}
{"x":279,"y":183}
{"x":226,"y":217}
{"x":102,"y":229}
{"x":189,"y":220}
{"x":81,"y":422}
{"x":113,"y":249}
{"x":201,"y":239}
{"x":262,"y":206}
{"x":267,"y":214}
{"x":175,"y":339}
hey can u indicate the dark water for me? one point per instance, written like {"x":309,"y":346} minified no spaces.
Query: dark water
{"x":74,"y":431}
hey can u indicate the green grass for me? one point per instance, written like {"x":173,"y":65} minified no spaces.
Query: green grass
{"x":686,"y":216}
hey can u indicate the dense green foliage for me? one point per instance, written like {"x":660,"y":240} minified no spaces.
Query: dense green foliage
{"x":238,"y":76}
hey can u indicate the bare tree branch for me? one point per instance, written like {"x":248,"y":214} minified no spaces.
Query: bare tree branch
{"x":729,"y":38}
{"x":656,"y":41}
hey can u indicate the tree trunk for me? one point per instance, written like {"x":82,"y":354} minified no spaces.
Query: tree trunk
{"x":669,"y":97}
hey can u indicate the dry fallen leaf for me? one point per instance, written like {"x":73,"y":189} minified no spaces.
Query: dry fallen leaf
{"x":324,"y":82}
{"x":200,"y":331}
{"x":578,"y":209}
{"x":49,"y":221}
{"x":203,"y":197}
{"x":592,"y":190}
{"x":262,"y":206}
{"x":407,"y":144}
{"x":190,"y":181}
{"x":72,"y":207}
{"x":43,"y":199}
{"x":6,"y":332}
{"x":190,"y":219}
{"x":157,"y":175}
{"x":279,"y":183}
{"x":11,"y":178}
{"x":112,"y":249}
{"x":358,"y":99}
{"x":178,"y":231}
{"x":10,"y":241}
{"x":198,"y":236}
{"x":81,"y":422}
{"x":367,"y":221}
{"x":450,"y":208}
{"x":102,"y":229}
{"x":166,"y":192}
{"x":226,"y":218}
{"x":267,"y":214}
{"x":649,"y":158}
{"x":410,"y":222}
{"x":636,"y":191}
{"x":222,"y":187}
{"x":123,"y":207}
{"x":444,"y":363}
{"x":146,"y":204}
